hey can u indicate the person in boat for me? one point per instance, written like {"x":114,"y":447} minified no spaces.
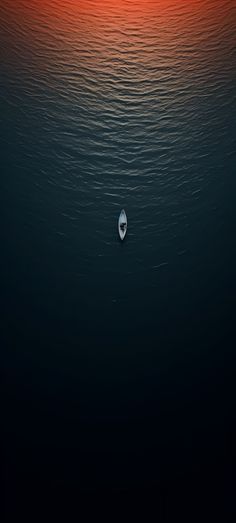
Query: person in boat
{"x":123,"y":226}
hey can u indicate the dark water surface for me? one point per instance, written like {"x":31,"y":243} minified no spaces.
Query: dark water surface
{"x":118,"y":355}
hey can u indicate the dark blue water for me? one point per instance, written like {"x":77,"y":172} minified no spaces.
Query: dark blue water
{"x":119,"y":368}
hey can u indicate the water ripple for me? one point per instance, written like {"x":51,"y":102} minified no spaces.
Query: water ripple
{"x":120,"y":100}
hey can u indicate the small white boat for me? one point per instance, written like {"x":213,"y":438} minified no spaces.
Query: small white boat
{"x":122,"y":224}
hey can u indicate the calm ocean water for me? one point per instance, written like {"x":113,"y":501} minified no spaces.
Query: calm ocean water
{"x":117,"y":354}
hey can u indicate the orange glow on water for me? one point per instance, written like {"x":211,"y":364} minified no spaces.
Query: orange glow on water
{"x":113,"y":9}
{"x":110,"y":25}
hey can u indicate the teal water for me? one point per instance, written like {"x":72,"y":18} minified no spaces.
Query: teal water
{"x":117,"y":353}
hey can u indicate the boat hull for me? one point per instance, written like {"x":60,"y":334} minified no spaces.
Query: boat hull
{"x":122,"y":224}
